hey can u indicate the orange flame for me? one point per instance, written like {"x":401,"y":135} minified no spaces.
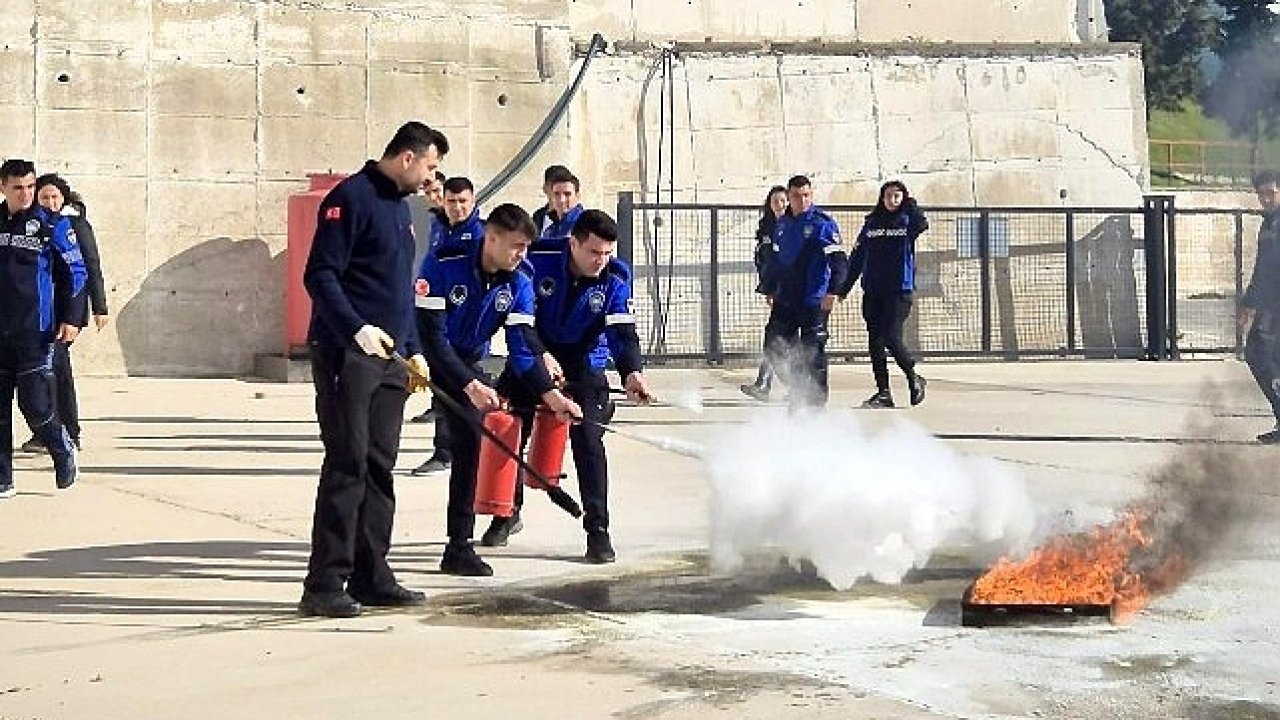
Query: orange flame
{"x":1116,"y":564}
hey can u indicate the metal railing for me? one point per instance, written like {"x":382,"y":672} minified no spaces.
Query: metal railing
{"x":1008,"y":282}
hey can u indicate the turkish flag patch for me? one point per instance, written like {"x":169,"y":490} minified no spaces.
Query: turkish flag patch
{"x":421,"y":288}
{"x":333,"y":213}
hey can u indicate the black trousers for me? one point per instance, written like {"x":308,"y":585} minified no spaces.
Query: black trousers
{"x":885,"y":315}
{"x":1262,"y":355}
{"x":464,"y":442}
{"x":64,"y":382}
{"x":360,"y":405}
{"x":586,"y":440}
{"x":441,"y":443}
{"x":795,"y":341}
{"x":26,"y":367}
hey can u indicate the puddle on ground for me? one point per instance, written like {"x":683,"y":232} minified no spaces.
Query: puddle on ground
{"x":1232,"y":710}
{"x":762,"y":592}
{"x":1131,"y":666}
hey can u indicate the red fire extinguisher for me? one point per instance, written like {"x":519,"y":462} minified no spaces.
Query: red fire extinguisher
{"x":496,"y":475}
{"x":546,"y":445}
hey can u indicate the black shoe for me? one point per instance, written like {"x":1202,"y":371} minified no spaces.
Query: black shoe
{"x":755,"y":392}
{"x":7,"y":490}
{"x":599,"y":549}
{"x":433,"y":465}
{"x":500,"y":529}
{"x":1270,"y":437}
{"x":426,"y":416}
{"x":334,"y":604}
{"x":395,"y":596}
{"x":65,"y":470}
{"x":917,"y":382}
{"x":33,"y":445}
{"x":463,"y":560}
{"x":882,"y":399}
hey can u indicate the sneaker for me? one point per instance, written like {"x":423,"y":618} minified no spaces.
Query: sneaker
{"x":426,"y":416}
{"x":433,"y":465}
{"x":395,"y":596}
{"x":463,"y":560}
{"x":65,"y":470}
{"x":755,"y":392}
{"x":599,"y":549}
{"x":7,"y":490}
{"x":335,"y":604}
{"x":917,"y":382}
{"x":882,"y":399}
{"x":500,"y":529}
{"x":32,"y":445}
{"x":1270,"y":437}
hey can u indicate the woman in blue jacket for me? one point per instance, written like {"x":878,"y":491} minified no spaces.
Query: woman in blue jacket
{"x":885,"y":258}
{"x":774,"y":207}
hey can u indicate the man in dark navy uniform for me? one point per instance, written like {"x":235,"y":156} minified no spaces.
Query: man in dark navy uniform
{"x":802,"y":273}
{"x":360,"y":277}
{"x":42,"y":276}
{"x":582,"y":295}
{"x":463,"y":300}
{"x":1259,"y":313}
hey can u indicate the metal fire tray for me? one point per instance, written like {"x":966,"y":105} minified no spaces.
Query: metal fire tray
{"x":979,"y":614}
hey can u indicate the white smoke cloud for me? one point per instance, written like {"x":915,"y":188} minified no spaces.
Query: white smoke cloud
{"x":855,"y":501}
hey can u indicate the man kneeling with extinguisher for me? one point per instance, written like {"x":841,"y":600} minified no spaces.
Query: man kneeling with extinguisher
{"x":581,"y":292}
{"x":463,"y":300}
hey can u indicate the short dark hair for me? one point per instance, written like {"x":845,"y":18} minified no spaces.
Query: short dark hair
{"x":1265,"y":177}
{"x":16,"y":168}
{"x":416,"y":138}
{"x":558,"y":174}
{"x":595,"y":222}
{"x":456,"y":185}
{"x":798,"y":181}
{"x":512,"y":218}
{"x":55,"y":180}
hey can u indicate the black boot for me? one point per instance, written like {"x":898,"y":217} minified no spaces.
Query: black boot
{"x":599,"y":548}
{"x":461,"y":559}
{"x":917,"y":382}
{"x":500,"y":530}
{"x":882,"y":399}
{"x":335,"y":604}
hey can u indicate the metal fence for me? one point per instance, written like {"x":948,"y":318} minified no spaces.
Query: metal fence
{"x":1125,"y":282}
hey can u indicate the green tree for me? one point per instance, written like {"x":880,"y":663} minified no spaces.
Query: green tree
{"x":1246,"y":92}
{"x":1175,"y":35}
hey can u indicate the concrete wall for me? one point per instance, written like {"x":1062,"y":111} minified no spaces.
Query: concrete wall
{"x":187,"y":124}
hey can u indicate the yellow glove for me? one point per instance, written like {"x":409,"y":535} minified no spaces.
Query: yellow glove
{"x":418,"y":374}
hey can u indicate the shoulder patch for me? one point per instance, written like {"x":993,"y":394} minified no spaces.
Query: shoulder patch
{"x":502,"y":300}
{"x":547,"y":286}
{"x":421,"y":287}
{"x":458,"y":294}
{"x":333,"y":213}
{"x":71,"y":237}
{"x":33,"y":227}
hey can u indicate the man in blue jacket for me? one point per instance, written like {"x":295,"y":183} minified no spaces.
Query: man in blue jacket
{"x":360,"y":278}
{"x":582,"y":295}
{"x":463,"y":300}
{"x":42,"y":276}
{"x":800,"y":279}
{"x":461,"y":233}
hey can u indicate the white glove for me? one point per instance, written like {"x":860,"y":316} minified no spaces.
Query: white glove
{"x":374,"y":341}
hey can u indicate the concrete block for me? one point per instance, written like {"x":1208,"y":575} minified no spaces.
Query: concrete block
{"x":735,"y":102}
{"x":1104,"y":136}
{"x":211,"y":30}
{"x":442,"y":39}
{"x":729,"y":152}
{"x":315,"y":34}
{"x":1015,"y":135}
{"x":328,"y":91}
{"x":79,"y":76}
{"x":19,"y":122}
{"x":489,"y":153}
{"x":438,"y":96}
{"x":504,"y":44}
{"x":911,"y":85}
{"x":843,"y":96}
{"x":272,"y":209}
{"x":948,"y":20}
{"x":924,"y":141}
{"x":225,"y":210}
{"x":293,"y":146}
{"x":124,"y":22}
{"x":832,"y":150}
{"x":611,"y":18}
{"x":203,"y":148}
{"x":1100,"y":83}
{"x":510,"y":107}
{"x":938,"y":187}
{"x":1010,"y":85}
{"x":1013,"y":182}
{"x":17,"y":76}
{"x":95,"y":141}
{"x":185,"y":88}
{"x":18,"y":25}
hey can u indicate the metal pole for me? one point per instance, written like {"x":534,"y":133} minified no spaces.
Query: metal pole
{"x":1070,"y":248}
{"x":715,"y":343}
{"x":1153,"y":256}
{"x":984,"y":257}
{"x":1171,"y":235}
{"x":1239,"y":268}
{"x":626,"y":227}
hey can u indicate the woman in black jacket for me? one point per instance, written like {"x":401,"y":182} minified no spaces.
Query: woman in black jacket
{"x":53,"y":193}
{"x":775,"y":204}
{"x":885,"y":258}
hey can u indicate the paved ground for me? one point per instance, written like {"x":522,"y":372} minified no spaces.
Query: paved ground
{"x":165,"y":581}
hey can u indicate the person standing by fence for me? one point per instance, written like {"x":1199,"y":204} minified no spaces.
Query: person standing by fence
{"x":775,"y":206}
{"x":1259,"y":313}
{"x":884,"y":256}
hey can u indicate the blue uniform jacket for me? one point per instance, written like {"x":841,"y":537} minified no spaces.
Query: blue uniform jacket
{"x":554,"y":232}
{"x":807,"y":261}
{"x":465,"y":237}
{"x":42,"y":275}
{"x":885,"y":253}
{"x":360,"y":270}
{"x":582,"y":320}
{"x":460,"y":308}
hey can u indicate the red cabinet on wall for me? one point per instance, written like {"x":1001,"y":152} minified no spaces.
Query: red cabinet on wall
{"x":303,"y":209}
